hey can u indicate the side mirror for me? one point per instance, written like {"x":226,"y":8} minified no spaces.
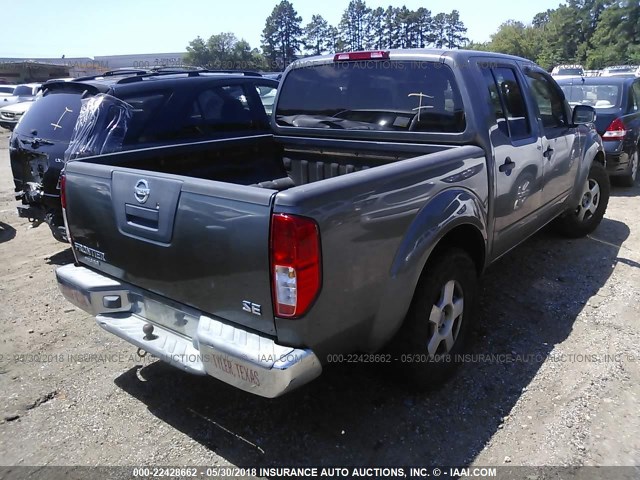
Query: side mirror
{"x":583,"y":114}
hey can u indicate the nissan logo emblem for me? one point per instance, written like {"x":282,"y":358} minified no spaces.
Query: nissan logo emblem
{"x":141,"y":191}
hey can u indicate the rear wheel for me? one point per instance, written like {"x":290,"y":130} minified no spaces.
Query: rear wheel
{"x":629,"y":179}
{"x":585,"y":218}
{"x":434,"y":332}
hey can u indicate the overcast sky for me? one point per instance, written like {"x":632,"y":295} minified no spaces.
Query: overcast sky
{"x":40,"y":28}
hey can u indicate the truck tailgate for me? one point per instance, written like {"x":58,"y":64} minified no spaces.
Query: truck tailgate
{"x":198,"y":242}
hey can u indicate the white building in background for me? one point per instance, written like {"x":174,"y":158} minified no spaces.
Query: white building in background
{"x":82,"y":66}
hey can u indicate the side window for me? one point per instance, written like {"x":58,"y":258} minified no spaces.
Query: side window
{"x":145,"y":108}
{"x":513,"y":101}
{"x":223,"y":108}
{"x":636,"y":95}
{"x":548,"y":99}
{"x":207,"y":106}
{"x":267,"y":97}
{"x":496,"y":103}
{"x":236,"y":92}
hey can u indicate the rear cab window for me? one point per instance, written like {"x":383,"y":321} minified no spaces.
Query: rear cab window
{"x":598,"y":96}
{"x":404,"y":96}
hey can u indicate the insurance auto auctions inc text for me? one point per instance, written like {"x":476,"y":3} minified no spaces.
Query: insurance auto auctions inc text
{"x":376,"y":472}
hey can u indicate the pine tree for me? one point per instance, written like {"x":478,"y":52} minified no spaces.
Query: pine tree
{"x":392,"y":28}
{"x":377,"y":29}
{"x":281,"y":37}
{"x":455,"y":30}
{"x":318,"y":37}
{"x":355,"y":25}
{"x":439,"y":30}
{"x":424,"y":27}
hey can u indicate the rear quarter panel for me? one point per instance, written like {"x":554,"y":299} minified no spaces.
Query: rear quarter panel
{"x":377,"y":229}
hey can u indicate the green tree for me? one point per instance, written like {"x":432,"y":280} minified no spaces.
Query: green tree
{"x":224,"y":51}
{"x":404,"y":21}
{"x":282,"y":35}
{"x":481,"y":46}
{"x":377,"y":29}
{"x":595,"y":33}
{"x":355,"y":25}
{"x":197,"y":53}
{"x":318,"y":36}
{"x":391,"y":28}
{"x":337,"y":42}
{"x":439,"y":29}
{"x":616,"y":38}
{"x":454,"y":30}
{"x":424,"y":28}
{"x":540,"y":20}
{"x":515,"y":38}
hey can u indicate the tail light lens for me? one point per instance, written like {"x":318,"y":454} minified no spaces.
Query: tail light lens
{"x":615,"y":131}
{"x":63,"y":196}
{"x":295,"y":264}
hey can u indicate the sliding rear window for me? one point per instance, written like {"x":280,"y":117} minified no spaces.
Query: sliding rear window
{"x":372,"y":95}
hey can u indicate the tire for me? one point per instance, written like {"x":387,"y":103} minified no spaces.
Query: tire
{"x":433,"y":335}
{"x":586,"y":217}
{"x":629,"y":179}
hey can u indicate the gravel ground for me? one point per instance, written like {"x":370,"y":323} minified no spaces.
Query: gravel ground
{"x":553,"y":380}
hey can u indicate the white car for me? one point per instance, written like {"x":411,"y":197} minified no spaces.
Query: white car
{"x":6,"y":90}
{"x":621,"y":71}
{"x":11,"y":114}
{"x":21,"y":93}
{"x":567,"y":71}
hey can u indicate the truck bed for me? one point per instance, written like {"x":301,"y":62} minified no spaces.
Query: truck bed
{"x":201,"y":238}
{"x":264,"y":161}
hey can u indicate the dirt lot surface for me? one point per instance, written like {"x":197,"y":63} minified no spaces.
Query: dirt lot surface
{"x":553,"y":380}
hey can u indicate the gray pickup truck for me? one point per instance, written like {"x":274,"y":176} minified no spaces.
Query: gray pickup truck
{"x":359,"y":227}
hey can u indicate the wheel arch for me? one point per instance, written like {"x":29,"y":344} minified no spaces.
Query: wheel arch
{"x":466,"y":231}
{"x":466,"y":237}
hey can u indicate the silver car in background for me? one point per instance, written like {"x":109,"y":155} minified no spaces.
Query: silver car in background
{"x":6,"y":90}
{"x":21,"y":93}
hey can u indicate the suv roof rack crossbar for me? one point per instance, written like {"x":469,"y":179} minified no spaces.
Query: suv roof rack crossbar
{"x":190,"y":73}
{"x":112,"y":73}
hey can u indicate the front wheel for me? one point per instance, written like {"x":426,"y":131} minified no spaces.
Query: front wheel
{"x":585,"y":218}
{"x":430,"y":341}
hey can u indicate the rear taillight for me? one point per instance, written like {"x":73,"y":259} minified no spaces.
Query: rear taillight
{"x":63,"y":196}
{"x":354,"y":56}
{"x":615,"y":131}
{"x":295,"y":264}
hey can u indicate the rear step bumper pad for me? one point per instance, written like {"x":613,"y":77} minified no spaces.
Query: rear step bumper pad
{"x":244,"y":359}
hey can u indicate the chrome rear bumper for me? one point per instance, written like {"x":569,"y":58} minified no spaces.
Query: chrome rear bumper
{"x":188,"y":339}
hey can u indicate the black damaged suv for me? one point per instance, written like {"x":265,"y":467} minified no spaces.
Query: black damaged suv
{"x":167,"y":107}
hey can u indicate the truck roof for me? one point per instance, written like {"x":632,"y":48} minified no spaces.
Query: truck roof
{"x":424,"y":54}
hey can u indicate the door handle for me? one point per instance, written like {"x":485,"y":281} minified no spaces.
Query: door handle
{"x":547,"y":153}
{"x":507,"y":166}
